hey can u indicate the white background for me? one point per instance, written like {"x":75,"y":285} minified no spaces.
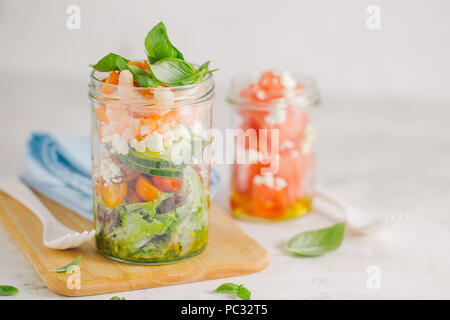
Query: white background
{"x":384,"y":139}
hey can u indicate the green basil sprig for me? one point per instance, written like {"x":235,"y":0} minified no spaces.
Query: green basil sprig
{"x":317,"y":242}
{"x":111,"y":62}
{"x":68,"y":267}
{"x":159,"y":46}
{"x":204,"y":67}
{"x":8,"y":291}
{"x":239,"y":290}
{"x":167,"y":64}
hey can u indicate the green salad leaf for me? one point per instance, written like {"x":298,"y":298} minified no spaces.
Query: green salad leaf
{"x":117,"y":298}
{"x":8,"y":291}
{"x":67,"y":268}
{"x":159,"y":46}
{"x":239,"y":290}
{"x":317,"y":242}
{"x":139,"y":223}
{"x":111,"y":62}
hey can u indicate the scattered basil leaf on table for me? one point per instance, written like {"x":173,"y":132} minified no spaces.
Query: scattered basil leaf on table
{"x":239,"y":290}
{"x":243,"y":293}
{"x":67,"y":268}
{"x":159,"y":46}
{"x":111,"y":62}
{"x":142,"y":77}
{"x":8,"y":291}
{"x":317,"y":242}
{"x":117,"y":298}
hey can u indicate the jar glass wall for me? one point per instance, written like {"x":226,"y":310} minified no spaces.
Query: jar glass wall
{"x":275,"y":181}
{"x":151,"y":172}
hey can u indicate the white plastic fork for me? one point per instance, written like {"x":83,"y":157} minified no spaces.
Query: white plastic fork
{"x":55,"y":235}
{"x":369,"y":228}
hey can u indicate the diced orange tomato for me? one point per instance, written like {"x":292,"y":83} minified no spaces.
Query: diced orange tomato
{"x":145,"y":189}
{"x":112,"y":79}
{"x":167,"y":184}
{"x":141,"y":64}
{"x":113,"y":194}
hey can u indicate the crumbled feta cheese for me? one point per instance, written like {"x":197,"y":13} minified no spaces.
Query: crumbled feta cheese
{"x":140,"y":146}
{"x":107,"y":134}
{"x":270,"y":181}
{"x":154,"y":142}
{"x":109,"y":171}
{"x":119,"y":144}
{"x":260,"y":95}
{"x":276,"y":116}
{"x":288,"y":81}
{"x":181,"y":132}
{"x":266,"y":179}
{"x":280,"y":183}
{"x":181,"y":151}
{"x":288,"y":144}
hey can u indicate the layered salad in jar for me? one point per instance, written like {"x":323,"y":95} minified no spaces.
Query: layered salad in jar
{"x":150,"y":131}
{"x":275,"y":182}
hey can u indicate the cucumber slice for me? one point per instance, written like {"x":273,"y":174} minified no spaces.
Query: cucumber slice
{"x":149,"y":160}
{"x":160,"y":172}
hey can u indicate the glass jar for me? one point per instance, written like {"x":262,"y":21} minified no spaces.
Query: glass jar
{"x":151,"y":171}
{"x":273,"y":174}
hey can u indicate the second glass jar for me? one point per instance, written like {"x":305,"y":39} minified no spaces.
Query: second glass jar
{"x":273,"y":174}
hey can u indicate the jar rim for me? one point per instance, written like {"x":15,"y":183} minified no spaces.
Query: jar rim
{"x":184,"y":95}
{"x":304,"y":97}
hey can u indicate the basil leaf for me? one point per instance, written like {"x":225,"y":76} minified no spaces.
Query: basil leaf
{"x":117,"y":298}
{"x":227,"y":287}
{"x":204,"y":67}
{"x":317,"y":242}
{"x":159,"y":46}
{"x":68,"y":267}
{"x":239,"y":290}
{"x":142,"y":77}
{"x":111,"y":62}
{"x":8,"y":291}
{"x":175,"y":72}
{"x":243,"y":293}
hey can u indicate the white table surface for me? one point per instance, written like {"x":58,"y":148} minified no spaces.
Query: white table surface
{"x":389,"y":157}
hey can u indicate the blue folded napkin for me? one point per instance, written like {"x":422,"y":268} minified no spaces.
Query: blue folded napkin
{"x":59,"y":166}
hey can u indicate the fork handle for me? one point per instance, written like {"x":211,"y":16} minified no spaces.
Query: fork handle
{"x":19,"y":191}
{"x":339,"y":202}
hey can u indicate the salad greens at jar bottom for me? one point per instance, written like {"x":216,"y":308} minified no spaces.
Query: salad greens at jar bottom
{"x":157,"y":231}
{"x":151,"y":124}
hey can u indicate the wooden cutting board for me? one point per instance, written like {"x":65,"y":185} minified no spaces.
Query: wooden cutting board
{"x":230,"y":252}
